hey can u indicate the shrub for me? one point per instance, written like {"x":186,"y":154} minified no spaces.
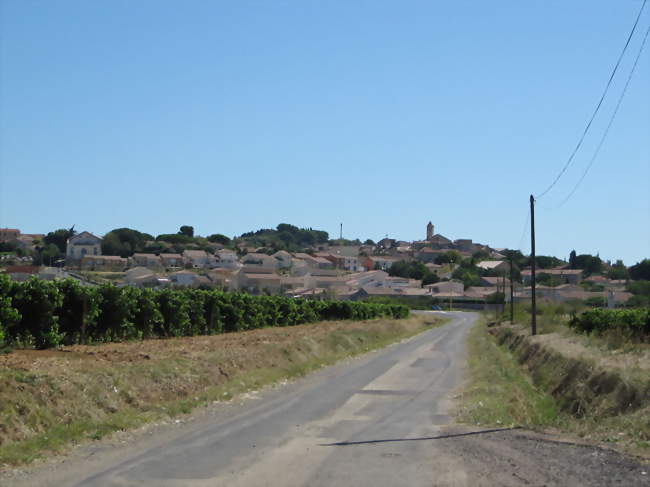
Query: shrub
{"x":37,"y":301}
{"x":47,"y":314}
{"x":634,"y":322}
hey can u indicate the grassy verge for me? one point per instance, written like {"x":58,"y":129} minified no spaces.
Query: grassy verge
{"x":499,"y":391}
{"x":51,"y":400}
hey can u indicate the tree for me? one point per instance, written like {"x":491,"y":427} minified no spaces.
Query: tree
{"x":369,"y":242}
{"x":469,"y":277}
{"x":572,"y":259}
{"x":430,"y":278}
{"x":589,"y":264}
{"x":480,"y":255}
{"x":640,"y":288}
{"x":175,"y":238}
{"x":124,"y":242}
{"x":618,"y":271}
{"x":59,"y":238}
{"x":219,"y":238}
{"x":546,"y":261}
{"x":187,"y":230}
{"x":50,"y":254}
{"x":9,"y":315}
{"x":111,"y":245}
{"x":548,"y":280}
{"x":8,"y":246}
{"x":79,"y":310}
{"x":641,"y":270}
{"x":450,"y":256}
{"x":38,"y":302}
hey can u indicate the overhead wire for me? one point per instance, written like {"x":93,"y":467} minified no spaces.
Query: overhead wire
{"x":600,"y":102}
{"x":524,"y":231}
{"x":611,"y":121}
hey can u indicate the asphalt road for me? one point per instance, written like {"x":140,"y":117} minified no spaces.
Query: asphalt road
{"x":377,"y":420}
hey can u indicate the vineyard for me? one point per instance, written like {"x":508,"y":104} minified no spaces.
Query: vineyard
{"x":632,"y":322}
{"x":45,"y":314}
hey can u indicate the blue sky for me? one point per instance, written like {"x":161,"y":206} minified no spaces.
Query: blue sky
{"x":234,"y":116}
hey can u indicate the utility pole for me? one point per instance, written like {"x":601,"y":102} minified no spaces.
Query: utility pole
{"x":512,"y":293}
{"x":496,"y":302}
{"x":533,"y":317}
{"x":341,"y":233}
{"x":503,"y":308}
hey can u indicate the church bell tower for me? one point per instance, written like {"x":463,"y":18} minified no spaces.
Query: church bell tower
{"x":429,"y":231}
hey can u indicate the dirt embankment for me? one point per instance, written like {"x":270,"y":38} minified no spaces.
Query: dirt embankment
{"x":49,"y":399}
{"x":580,"y":385}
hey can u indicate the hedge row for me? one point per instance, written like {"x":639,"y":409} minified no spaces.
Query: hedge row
{"x":46,"y":314}
{"x":635,"y":322}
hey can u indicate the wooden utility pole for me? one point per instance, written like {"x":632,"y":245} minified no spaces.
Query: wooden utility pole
{"x":496,"y":302}
{"x":512,"y":293}
{"x":503,"y":309}
{"x":533,"y":317}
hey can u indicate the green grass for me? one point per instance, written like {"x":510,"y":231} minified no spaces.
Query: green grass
{"x":499,"y":392}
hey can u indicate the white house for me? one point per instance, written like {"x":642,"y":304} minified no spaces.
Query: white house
{"x":171,"y":260}
{"x":198,"y":258}
{"x":494,"y":265}
{"x":146,"y":260}
{"x":184,"y":278}
{"x":259,"y":260}
{"x":82,"y":244}
{"x":283,"y":259}
{"x":227,"y":259}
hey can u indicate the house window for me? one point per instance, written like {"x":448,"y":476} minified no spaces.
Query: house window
{"x":94,"y":250}
{"x":83,"y":252}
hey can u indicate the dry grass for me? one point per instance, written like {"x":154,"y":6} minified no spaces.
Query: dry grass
{"x":49,"y":399}
{"x":559,"y":383}
{"x":498,"y":392}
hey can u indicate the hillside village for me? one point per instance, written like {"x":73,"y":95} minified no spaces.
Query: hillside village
{"x":435,"y":269}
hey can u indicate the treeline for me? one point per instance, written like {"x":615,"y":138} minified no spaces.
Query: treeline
{"x":45,"y":314}
{"x":285,"y":237}
{"x":413,"y":270}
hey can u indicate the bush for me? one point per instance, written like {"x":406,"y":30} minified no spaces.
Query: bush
{"x":632,"y":322}
{"x":47,"y":314}
{"x":9,"y":315}
{"x":38,"y":302}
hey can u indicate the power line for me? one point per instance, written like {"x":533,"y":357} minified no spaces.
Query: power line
{"x":611,"y":121}
{"x":523,"y":233}
{"x":600,"y":102}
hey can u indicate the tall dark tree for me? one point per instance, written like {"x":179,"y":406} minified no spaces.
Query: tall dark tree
{"x":187,"y":230}
{"x":59,"y":238}
{"x":572,"y":259}
{"x":124,"y":242}
{"x":641,"y":270}
{"x":219,"y":238}
{"x":590,"y":264}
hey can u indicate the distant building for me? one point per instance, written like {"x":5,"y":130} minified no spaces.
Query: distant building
{"x":571,"y":276}
{"x":103,"y":263}
{"x":171,"y":260}
{"x":198,"y":258}
{"x":151,"y":261}
{"x":430,"y":232}
{"x":80,"y":245}
{"x":8,"y":234}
